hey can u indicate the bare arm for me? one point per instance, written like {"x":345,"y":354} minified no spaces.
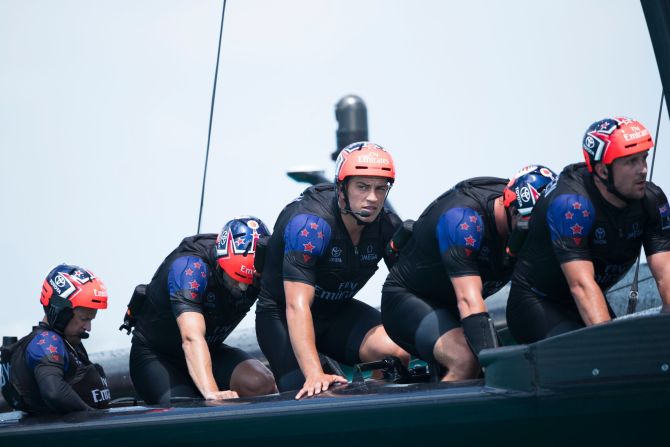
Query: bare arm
{"x":590,"y":300}
{"x":475,"y":319}
{"x":299,"y":298}
{"x":199,"y":362}
{"x":469,"y":295}
{"x":659,"y":264}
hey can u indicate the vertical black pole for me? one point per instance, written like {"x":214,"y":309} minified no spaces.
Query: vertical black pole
{"x":211,"y":115}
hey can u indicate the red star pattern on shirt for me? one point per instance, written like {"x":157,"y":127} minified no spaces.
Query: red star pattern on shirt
{"x":197,"y":265}
{"x":44,"y":334}
{"x":569,"y":215}
{"x":41,"y":342}
{"x":576,"y":229}
{"x":473,"y":219}
{"x":54,"y":337}
{"x":470,"y":241}
{"x":577,"y":205}
{"x":586,"y":213}
{"x":304,"y":233}
{"x":194,"y":295}
{"x":194,"y":285}
{"x":188,"y":272}
{"x":319,"y":234}
{"x":203,"y":274}
{"x":308,"y":247}
{"x":306,"y":257}
{"x":55,"y":357}
{"x":313,"y":226}
{"x":464,"y":226}
{"x":52,"y":349}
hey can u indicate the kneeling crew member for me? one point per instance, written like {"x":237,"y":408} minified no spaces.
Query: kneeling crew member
{"x":459,"y":254}
{"x":49,"y":369}
{"x":326,"y":246}
{"x":198,"y":295}
{"x":587,"y":232}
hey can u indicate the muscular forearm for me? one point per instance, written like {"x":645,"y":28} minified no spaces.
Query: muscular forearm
{"x":56,"y":393}
{"x":468,"y":290}
{"x":199,"y":364}
{"x":303,"y":341}
{"x":590,"y":303}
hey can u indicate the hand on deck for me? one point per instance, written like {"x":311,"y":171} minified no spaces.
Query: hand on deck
{"x":218,"y":395}
{"x":318,"y":383}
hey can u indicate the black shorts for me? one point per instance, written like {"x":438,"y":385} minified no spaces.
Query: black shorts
{"x":158,"y":377}
{"x":416,"y":323}
{"x":339,"y":336}
{"x":531,"y":317}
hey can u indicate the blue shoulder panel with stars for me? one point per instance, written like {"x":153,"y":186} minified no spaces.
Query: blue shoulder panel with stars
{"x":47,"y":345}
{"x":460,"y":227}
{"x":664,"y":211}
{"x":570,"y":216}
{"x":187,"y":279}
{"x":307,"y":234}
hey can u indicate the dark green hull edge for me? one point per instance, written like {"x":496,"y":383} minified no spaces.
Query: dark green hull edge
{"x":604,"y":384}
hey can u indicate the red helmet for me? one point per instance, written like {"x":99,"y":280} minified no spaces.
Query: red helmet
{"x":67,"y":287}
{"x":525,"y":187}
{"x":236,"y":247}
{"x":612,"y":138}
{"x":364,"y":158}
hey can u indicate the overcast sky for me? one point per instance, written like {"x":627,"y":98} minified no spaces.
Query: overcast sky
{"x":104,"y":111}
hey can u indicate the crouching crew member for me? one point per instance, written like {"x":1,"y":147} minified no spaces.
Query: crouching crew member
{"x":460,"y":252}
{"x":587,"y":232}
{"x":49,"y":370}
{"x":198,"y":295}
{"x":326,"y":245}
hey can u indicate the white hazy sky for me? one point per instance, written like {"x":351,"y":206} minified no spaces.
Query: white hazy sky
{"x":104,"y":110}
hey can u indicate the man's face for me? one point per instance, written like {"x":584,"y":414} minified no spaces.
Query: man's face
{"x":367,"y":195}
{"x":630,"y":175}
{"x":80,"y":322}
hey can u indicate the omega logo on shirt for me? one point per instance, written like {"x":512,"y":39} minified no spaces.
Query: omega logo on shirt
{"x":370,"y":254}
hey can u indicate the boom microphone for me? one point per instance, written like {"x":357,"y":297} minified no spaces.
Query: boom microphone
{"x":362,"y":213}
{"x":84,"y":335}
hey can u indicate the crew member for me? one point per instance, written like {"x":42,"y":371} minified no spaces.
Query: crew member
{"x":325,"y":247}
{"x":461,"y":251}
{"x":587,"y":231}
{"x":198,"y":295}
{"x":49,"y":369}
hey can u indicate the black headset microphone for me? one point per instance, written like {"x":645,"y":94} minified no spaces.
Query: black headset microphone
{"x":362,"y":213}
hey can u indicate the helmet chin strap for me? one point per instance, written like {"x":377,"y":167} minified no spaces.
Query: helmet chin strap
{"x":609,"y":184}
